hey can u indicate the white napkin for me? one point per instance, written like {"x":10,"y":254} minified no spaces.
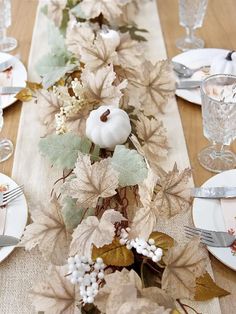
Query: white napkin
{"x":229,"y":212}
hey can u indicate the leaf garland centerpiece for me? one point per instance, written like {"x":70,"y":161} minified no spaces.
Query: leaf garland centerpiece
{"x":99,"y":231}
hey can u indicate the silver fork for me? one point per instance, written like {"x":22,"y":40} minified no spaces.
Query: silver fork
{"x":211,"y":238}
{"x":10,"y":195}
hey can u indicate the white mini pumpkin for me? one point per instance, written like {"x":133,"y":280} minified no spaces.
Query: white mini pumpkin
{"x":108,"y":126}
{"x":224,"y":63}
{"x":111,"y":36}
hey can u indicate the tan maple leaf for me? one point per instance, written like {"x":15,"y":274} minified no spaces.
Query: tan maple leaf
{"x":91,"y":182}
{"x":152,"y":135}
{"x":48,"y":105}
{"x":99,"y":86}
{"x":100,"y":53}
{"x":56,"y":294}
{"x":110,"y":9}
{"x":48,"y":231}
{"x":55,"y":11}
{"x":92,"y":231}
{"x":79,"y":35}
{"x":129,"y":52}
{"x":172,"y":194}
{"x":157,"y":85}
{"x":123,"y":293}
{"x":183,"y":265}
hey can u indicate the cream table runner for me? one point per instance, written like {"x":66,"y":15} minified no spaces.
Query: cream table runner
{"x":19,"y":272}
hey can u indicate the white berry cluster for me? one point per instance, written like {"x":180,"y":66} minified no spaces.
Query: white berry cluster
{"x":87,"y":274}
{"x":146,"y":248}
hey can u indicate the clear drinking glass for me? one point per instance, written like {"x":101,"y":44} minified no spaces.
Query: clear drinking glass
{"x":218,"y":93}
{"x":6,"y":146}
{"x":191,"y":15}
{"x":6,"y":43}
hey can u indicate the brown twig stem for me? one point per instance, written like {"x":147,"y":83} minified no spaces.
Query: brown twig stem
{"x":104,"y":116}
{"x":183,"y":306}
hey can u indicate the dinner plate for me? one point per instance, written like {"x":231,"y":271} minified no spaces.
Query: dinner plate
{"x":14,"y":77}
{"x":16,"y":218}
{"x":207,"y":214}
{"x":196,"y":58}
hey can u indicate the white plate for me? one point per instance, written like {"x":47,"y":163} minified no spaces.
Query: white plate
{"x":16,"y":218}
{"x":207,"y":214}
{"x":196,"y":58}
{"x":16,"y":77}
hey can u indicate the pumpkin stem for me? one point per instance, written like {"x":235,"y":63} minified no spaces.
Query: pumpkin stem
{"x":229,"y":55}
{"x":104,"y":116}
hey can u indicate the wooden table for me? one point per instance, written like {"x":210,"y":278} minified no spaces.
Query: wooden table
{"x":218,"y":31}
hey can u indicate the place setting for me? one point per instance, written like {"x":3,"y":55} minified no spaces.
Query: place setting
{"x":113,"y":222}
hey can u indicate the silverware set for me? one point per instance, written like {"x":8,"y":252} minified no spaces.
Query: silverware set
{"x":6,"y":198}
{"x":7,"y":90}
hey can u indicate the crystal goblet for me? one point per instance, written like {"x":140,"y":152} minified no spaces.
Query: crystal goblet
{"x":191,"y":15}
{"x":218,"y":94}
{"x":6,"y":43}
{"x":6,"y":146}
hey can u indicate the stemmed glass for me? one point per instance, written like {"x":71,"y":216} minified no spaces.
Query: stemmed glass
{"x":218,"y":93}
{"x":191,"y":15}
{"x":6,"y":43}
{"x":6,"y":146}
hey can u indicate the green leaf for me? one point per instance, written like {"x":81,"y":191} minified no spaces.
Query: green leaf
{"x":65,"y":20}
{"x":62,"y":150}
{"x":56,"y":74}
{"x":130,"y":165}
{"x":78,"y":12}
{"x":72,"y":214}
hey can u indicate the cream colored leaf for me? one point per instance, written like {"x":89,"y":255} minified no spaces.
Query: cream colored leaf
{"x":91,"y":182}
{"x":158,"y":86}
{"x":110,"y":9}
{"x":153,"y":138}
{"x":48,"y":231}
{"x":91,"y":231}
{"x":183,"y":265}
{"x":56,"y":294}
{"x":79,"y":35}
{"x":55,"y":11}
{"x":173,"y":195}
{"x":99,"y":86}
{"x":130,"y":53}
{"x":123,"y":293}
{"x":48,"y":105}
{"x":100,"y":53}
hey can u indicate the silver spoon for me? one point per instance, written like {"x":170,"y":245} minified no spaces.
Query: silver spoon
{"x":184,"y":71}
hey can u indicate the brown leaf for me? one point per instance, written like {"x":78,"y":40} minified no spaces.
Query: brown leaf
{"x":183,"y":265}
{"x":99,"y":54}
{"x":48,"y":231}
{"x":162,"y":240}
{"x":91,"y":182}
{"x":33,"y":85}
{"x":24,"y":95}
{"x":114,"y":254}
{"x":158,"y":86}
{"x":172,"y":195}
{"x":153,"y":138}
{"x":207,"y":289}
{"x":99,"y":86}
{"x":91,"y":231}
{"x":56,"y":294}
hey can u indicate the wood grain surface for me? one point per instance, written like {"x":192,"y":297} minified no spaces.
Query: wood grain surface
{"x":218,"y":31}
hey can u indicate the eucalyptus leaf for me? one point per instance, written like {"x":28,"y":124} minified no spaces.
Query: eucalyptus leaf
{"x":130,"y":165}
{"x":56,"y":74}
{"x":72,"y":214}
{"x":78,"y":12}
{"x":62,"y":150}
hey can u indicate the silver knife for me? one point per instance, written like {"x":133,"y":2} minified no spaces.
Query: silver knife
{"x":214,"y":192}
{"x":184,"y":84}
{"x":6,"y":64}
{"x":8,"y":240}
{"x":7,"y":90}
